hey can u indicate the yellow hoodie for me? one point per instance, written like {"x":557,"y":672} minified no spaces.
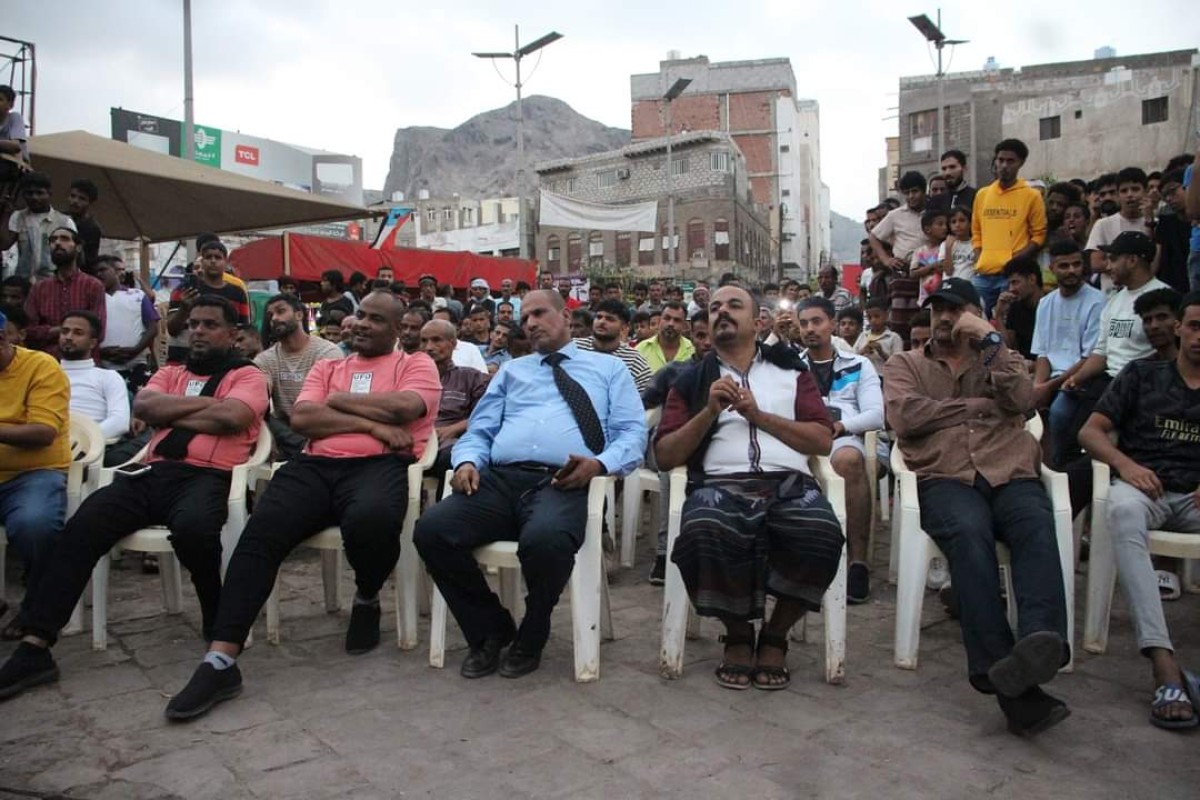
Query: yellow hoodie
{"x":1003,"y":222}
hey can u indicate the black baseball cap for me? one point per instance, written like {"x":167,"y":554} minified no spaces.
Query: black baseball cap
{"x":1130,"y":243}
{"x":956,"y":292}
{"x":426,"y":278}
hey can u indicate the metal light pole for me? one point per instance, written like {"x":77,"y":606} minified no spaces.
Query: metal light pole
{"x":933,"y":33}
{"x":189,"y":137}
{"x":516,"y":55}
{"x":672,"y":93}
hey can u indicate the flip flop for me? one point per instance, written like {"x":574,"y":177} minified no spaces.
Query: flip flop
{"x":726,"y":673}
{"x":1168,"y":585}
{"x":1170,"y":693}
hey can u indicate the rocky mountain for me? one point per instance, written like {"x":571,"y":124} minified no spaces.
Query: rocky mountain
{"x":479,"y":157}
{"x":846,"y":234}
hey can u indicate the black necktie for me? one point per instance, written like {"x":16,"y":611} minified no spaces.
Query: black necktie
{"x":579,"y":403}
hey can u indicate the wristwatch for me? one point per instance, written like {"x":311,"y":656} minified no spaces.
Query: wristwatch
{"x":993,"y":339}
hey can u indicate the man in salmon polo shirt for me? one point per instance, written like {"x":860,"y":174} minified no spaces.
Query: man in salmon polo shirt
{"x":207,"y":413}
{"x":367,"y":418}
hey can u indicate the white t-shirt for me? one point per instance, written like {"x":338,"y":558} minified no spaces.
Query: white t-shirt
{"x":1107,"y":229}
{"x":100,"y":395}
{"x":1121,"y":338}
{"x":467,"y":355}
{"x":123,"y":325}
{"x":963,"y":259}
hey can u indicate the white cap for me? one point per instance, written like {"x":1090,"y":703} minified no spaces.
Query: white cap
{"x":480,"y":283}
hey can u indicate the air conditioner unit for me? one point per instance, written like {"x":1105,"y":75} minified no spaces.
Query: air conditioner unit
{"x":623,"y":174}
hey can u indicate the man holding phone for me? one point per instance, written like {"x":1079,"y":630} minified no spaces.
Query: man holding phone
{"x":208,"y":279}
{"x":546,"y":426}
{"x":207,"y":414}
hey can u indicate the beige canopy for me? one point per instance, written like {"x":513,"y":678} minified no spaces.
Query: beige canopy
{"x":156,"y":198}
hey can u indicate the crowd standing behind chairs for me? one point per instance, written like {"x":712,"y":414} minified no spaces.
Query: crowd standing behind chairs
{"x":976,"y":309}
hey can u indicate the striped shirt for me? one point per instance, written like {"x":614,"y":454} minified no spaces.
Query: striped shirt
{"x":51,"y":298}
{"x":635,"y":362}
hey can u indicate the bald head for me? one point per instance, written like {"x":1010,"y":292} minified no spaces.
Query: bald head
{"x":555,"y":299}
{"x":732,"y":317}
{"x":387,"y":303}
{"x":438,"y":340}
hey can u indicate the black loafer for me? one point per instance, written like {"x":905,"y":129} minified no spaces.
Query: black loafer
{"x":519,"y":661}
{"x":1034,"y":660}
{"x":363,"y":634}
{"x":858,"y":583}
{"x":1033,"y":712}
{"x":207,"y":687}
{"x":27,"y":667}
{"x":484,"y":660}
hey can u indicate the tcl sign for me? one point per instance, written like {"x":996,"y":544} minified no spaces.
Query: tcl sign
{"x":245,"y":154}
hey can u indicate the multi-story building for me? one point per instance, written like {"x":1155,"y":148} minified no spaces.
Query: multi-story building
{"x":756,"y":102}
{"x":889,"y":174}
{"x":718,"y":227}
{"x":1079,"y":118}
{"x":487,"y":226}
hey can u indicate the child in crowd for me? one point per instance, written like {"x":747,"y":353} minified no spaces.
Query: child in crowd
{"x":642,"y":328}
{"x":878,"y":343}
{"x":926,"y":265}
{"x":957,"y":253}
{"x":849,"y":326}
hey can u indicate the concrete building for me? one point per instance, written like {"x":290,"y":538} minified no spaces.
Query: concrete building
{"x":487,"y":226}
{"x":1079,"y":118}
{"x":717,"y":226}
{"x":889,"y":174}
{"x":756,"y":102}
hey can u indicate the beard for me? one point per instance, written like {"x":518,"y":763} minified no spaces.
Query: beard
{"x":62,"y":258}
{"x":281,"y":330}
{"x":208,"y":362}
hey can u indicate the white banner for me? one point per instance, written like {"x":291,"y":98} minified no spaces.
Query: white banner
{"x":564,"y":212}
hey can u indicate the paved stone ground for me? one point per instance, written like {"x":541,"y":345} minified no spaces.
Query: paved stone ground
{"x":316,"y":723}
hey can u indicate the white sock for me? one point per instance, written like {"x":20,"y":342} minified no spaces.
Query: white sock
{"x":219,"y":661}
{"x":359,"y":600}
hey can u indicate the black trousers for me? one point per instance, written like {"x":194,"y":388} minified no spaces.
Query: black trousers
{"x":191,"y":501}
{"x":966,"y":522}
{"x":511,"y":505}
{"x":367,"y":497}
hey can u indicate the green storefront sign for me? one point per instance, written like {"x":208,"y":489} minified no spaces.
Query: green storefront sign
{"x":207,"y":146}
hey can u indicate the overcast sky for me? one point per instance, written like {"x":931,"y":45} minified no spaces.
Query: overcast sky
{"x":342,"y":76}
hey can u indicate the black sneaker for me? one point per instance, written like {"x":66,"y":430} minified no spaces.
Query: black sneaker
{"x":1032,"y":712}
{"x":27,"y":667}
{"x":207,"y":687}
{"x":363,"y":634}
{"x":1034,"y":660}
{"x":658,"y":573}
{"x":858,"y":583}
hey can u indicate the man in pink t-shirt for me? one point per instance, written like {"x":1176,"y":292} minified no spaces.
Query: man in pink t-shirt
{"x":208,"y":413}
{"x":367,"y":418}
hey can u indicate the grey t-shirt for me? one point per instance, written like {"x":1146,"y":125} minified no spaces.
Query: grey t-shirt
{"x":286,"y":373}
{"x":13,"y":127}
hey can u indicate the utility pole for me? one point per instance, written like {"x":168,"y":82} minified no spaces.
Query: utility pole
{"x":672,"y":93}
{"x":933,"y":33}
{"x":189,"y":119}
{"x":516,"y":55}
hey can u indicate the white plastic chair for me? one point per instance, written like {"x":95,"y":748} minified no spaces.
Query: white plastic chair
{"x":156,"y":539}
{"x":677,"y":607}
{"x":1102,"y":561}
{"x":87,"y":453}
{"x":915,"y":549}
{"x":880,"y":487}
{"x":591,"y":617}
{"x":407,"y":574}
{"x":635,"y":485}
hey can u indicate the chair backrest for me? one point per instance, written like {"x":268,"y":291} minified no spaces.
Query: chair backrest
{"x":87,"y":441}
{"x":430,"y":453}
{"x":1034,"y":426}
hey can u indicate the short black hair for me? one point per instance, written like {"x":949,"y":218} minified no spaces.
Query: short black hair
{"x":20,"y":282}
{"x":1063,"y":247}
{"x":921,"y":319}
{"x":583,"y":315}
{"x":93,"y":321}
{"x":928,"y":217}
{"x":611,"y":285}
{"x":228,"y":312}
{"x":822,"y":303}
{"x":204,"y":238}
{"x":1132,"y":175}
{"x":674,"y":305}
{"x":1172,"y":176}
{"x":477,"y":308}
{"x":1190,"y":299}
{"x":1166,"y":296}
{"x":1012,"y":146}
{"x":964,"y":210}
{"x":851,"y":312}
{"x":640,"y":287}
{"x":508,"y":303}
{"x":640,"y":316}
{"x":87,"y":187}
{"x":16,"y":315}
{"x":879,"y":304}
{"x":1180,"y":161}
{"x":699,"y":316}
{"x":1107,"y":179}
{"x":295,"y":303}
{"x":1024,"y":265}
{"x":7,"y":93}
{"x":334,"y":276}
{"x":1067,"y":190}
{"x":614,"y":307}
{"x":357,"y":278}
{"x":213,"y":244}
{"x":1082,"y":206}
{"x":522,"y":285}
{"x":419,"y":308}
{"x":770,"y":286}
{"x":248,"y":328}
{"x":911,"y":180}
{"x":35,"y":180}
{"x":287,"y":280}
{"x":957,"y":155}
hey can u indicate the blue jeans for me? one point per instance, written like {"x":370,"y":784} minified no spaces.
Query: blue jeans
{"x":989,"y":288}
{"x":966,"y":522}
{"x":1061,"y":417}
{"x":33,"y":507}
{"x":1193,"y":266}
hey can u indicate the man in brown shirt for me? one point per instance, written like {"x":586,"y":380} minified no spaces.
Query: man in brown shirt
{"x":959,"y":411}
{"x":461,"y":389}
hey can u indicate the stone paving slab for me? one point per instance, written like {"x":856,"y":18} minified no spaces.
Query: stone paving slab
{"x":314,"y":722}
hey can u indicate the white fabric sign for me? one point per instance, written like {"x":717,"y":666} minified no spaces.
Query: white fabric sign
{"x":564,"y":212}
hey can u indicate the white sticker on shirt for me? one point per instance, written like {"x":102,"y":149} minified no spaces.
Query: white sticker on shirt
{"x":194,"y":387}
{"x":360,"y":382}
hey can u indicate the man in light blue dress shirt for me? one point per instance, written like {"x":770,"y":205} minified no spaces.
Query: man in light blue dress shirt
{"x":521,"y":474}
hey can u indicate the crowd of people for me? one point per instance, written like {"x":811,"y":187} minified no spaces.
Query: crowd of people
{"x":977,"y":309}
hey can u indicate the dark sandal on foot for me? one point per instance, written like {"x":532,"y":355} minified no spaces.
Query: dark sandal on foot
{"x":728,"y":675}
{"x":768,"y":678}
{"x":1171,"y":693}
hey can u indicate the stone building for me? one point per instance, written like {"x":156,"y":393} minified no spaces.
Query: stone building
{"x":718,"y":228}
{"x":757,"y":103}
{"x":1079,"y":118}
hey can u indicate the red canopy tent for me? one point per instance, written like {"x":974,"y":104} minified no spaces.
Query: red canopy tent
{"x":306,"y":257}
